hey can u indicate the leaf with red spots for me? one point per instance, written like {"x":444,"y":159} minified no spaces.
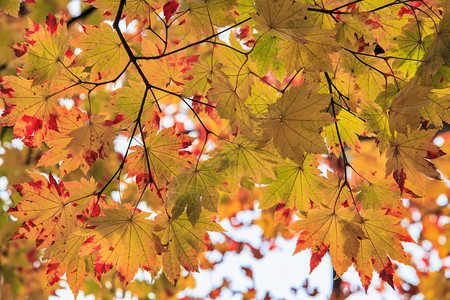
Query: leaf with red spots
{"x":49,"y":209}
{"x":102,"y":49}
{"x":64,"y":259}
{"x":32,"y":109}
{"x":166,"y":157}
{"x":123,"y":237}
{"x":92,"y":139}
{"x":45,"y":58}
{"x":79,"y":141}
{"x":337,"y":230}
{"x":407,"y":154}
{"x":383,"y":237}
{"x":184,"y":242}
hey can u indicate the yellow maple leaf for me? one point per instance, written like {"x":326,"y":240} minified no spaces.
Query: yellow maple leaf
{"x":125,"y":238}
{"x":383,"y":236}
{"x":295,"y":121}
{"x":338,"y":231}
{"x":185,"y":242}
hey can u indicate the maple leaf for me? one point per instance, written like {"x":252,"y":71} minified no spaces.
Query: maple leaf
{"x":262,"y":95}
{"x":199,"y":78}
{"x":438,"y":110}
{"x":350,"y":29}
{"x":128,"y":101}
{"x":437,"y":52}
{"x":57,"y":141}
{"x":229,"y":105}
{"x":265,"y":52}
{"x":93,"y":138}
{"x":412,"y":44}
{"x":408,"y":153}
{"x":64,"y":259}
{"x":349,"y":126}
{"x":338,"y":230}
{"x":102,"y":49}
{"x":377,"y":194}
{"x":296,"y":185}
{"x":366,"y":72}
{"x":45,"y":58}
{"x":237,"y":68}
{"x":294,"y":123}
{"x":194,"y":189}
{"x":280,"y":16}
{"x":383,"y":237}
{"x":166,"y":157}
{"x":165,"y":71}
{"x":123,"y":237}
{"x":376,"y":121}
{"x":10,"y":7}
{"x":307,"y":48}
{"x":184,"y":242}
{"x":48,"y":210}
{"x":202,"y":16}
{"x":31,"y":108}
{"x":405,"y":108}
{"x":245,"y":158}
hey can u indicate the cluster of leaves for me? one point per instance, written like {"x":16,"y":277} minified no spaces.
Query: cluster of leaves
{"x":207,"y":118}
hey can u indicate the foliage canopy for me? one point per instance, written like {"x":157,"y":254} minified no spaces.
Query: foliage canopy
{"x":223,"y":104}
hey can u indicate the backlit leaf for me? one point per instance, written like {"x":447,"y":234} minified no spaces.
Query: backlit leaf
{"x":295,"y":121}
{"x":184,"y":242}
{"x":125,"y":238}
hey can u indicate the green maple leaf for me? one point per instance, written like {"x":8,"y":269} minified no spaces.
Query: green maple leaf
{"x":376,"y":121}
{"x":265,"y":52}
{"x":102,"y":49}
{"x":235,"y":65}
{"x":365,"y":72}
{"x":412,"y":44}
{"x":10,"y":7}
{"x":349,"y":126}
{"x":261,"y":97}
{"x":200,"y":77}
{"x":194,"y":189}
{"x":376,"y":194}
{"x":438,"y":110}
{"x":296,"y":185}
{"x":241,"y":157}
{"x":128,"y":101}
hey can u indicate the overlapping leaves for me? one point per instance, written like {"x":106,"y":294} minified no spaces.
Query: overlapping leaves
{"x":339,"y":75}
